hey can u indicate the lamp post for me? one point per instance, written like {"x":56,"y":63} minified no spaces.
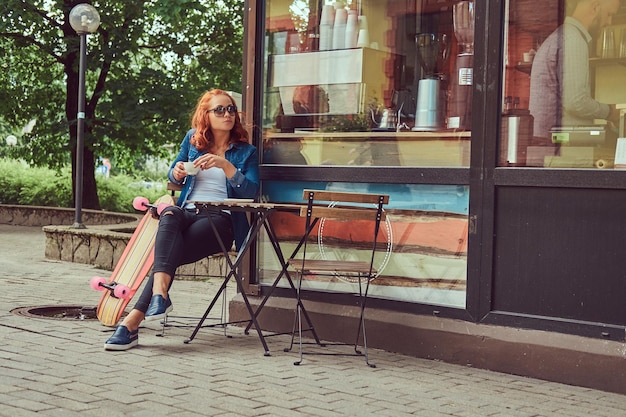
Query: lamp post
{"x":11,"y":140}
{"x":84,"y":19}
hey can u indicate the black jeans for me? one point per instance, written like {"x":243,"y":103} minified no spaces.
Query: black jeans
{"x":185,"y":237}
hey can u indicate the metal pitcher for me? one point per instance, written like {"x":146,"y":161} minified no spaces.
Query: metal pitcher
{"x":388,"y":119}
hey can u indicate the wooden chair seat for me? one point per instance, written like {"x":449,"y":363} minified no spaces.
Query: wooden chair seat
{"x":173,"y":187}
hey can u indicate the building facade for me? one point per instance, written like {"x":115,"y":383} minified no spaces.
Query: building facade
{"x":498,"y":228}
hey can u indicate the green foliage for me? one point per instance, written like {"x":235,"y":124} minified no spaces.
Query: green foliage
{"x":117,"y":193}
{"x":350,"y":123}
{"x":147,"y":65}
{"x":10,"y":181}
{"x":38,"y":186}
{"x":20,"y":184}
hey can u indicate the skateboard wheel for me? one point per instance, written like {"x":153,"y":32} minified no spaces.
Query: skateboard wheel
{"x":121,"y":291}
{"x":161,"y":207}
{"x":140,"y":203}
{"x":96,"y":283}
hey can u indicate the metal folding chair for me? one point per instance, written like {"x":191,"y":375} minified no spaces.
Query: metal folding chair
{"x":345,"y":207}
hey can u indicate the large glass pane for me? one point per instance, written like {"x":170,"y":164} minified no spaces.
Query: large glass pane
{"x":368,"y":82}
{"x":563,"y":84}
{"x":423,"y":244}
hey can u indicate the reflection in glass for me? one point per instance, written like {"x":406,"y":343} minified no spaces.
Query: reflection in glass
{"x":463,"y":74}
{"x":388,"y":95}
{"x":426,"y":236}
{"x":557,"y":101}
{"x":432,"y":54}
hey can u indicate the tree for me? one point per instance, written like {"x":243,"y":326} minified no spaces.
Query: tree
{"x":146,"y":66}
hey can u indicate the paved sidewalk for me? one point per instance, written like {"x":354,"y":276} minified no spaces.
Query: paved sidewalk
{"x":59,"y":368}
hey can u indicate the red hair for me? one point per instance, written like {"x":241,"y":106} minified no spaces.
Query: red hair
{"x":202,"y":137}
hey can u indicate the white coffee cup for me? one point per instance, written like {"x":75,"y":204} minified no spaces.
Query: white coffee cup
{"x":190,"y":169}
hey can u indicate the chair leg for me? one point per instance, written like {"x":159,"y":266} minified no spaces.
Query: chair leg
{"x":297,"y":321}
{"x":293,"y":331}
{"x":361,"y":329}
{"x":223,"y":314}
{"x":163,"y":324}
{"x":299,"y":317}
{"x":299,"y":361}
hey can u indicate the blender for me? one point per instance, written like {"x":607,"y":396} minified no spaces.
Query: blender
{"x":459,"y":115}
{"x":432,"y":54}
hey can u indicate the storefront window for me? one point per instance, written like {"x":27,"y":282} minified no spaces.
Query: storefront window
{"x":422,"y":256}
{"x":563,"y":77}
{"x":368,"y":82}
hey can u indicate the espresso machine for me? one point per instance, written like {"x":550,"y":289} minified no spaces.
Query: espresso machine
{"x":460,"y":102}
{"x":432,"y":54}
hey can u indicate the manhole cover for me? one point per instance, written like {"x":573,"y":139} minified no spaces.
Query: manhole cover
{"x":57,"y":312}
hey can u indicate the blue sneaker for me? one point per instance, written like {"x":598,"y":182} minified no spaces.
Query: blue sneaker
{"x":159,"y":308}
{"x":122,"y":339}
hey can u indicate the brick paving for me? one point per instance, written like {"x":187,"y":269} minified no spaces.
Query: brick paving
{"x":54,"y":367}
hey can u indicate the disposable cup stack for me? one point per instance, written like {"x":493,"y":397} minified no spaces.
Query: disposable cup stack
{"x":326,"y":27}
{"x":352,"y":29}
{"x":339,"y":30}
{"x":363,"y":40}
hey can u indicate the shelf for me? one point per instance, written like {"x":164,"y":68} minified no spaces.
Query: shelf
{"x":607,"y":61}
{"x":525,"y":67}
{"x":359,"y":135}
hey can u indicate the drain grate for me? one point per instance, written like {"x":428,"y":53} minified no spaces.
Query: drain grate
{"x":57,"y":312}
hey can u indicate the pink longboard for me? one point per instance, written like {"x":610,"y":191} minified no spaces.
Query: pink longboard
{"x":134,"y":264}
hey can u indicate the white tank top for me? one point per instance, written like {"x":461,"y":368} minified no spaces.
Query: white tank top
{"x":210,"y":185}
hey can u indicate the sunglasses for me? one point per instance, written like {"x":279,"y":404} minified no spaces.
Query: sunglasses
{"x":220,"y":110}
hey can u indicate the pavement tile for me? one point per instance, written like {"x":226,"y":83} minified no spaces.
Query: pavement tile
{"x":278,"y":411}
{"x":59,"y":367}
{"x":28,"y":404}
{"x":17,"y":411}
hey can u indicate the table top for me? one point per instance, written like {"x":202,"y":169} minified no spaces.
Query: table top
{"x":249,"y":205}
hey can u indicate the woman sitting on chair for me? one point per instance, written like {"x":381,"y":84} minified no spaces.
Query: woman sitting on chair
{"x":228,"y":167}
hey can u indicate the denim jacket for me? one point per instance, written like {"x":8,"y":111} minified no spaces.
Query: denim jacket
{"x":244,"y":184}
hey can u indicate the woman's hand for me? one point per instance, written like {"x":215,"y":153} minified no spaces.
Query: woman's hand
{"x":210,"y":160}
{"x":179,"y":171}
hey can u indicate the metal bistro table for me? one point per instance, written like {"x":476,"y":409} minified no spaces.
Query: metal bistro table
{"x":259,"y":218}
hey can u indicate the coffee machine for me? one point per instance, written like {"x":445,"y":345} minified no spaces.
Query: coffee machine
{"x":432,"y":54}
{"x":459,"y":109}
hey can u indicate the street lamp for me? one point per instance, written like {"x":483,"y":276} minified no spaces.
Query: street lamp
{"x":11,"y":140}
{"x":84,"y":19}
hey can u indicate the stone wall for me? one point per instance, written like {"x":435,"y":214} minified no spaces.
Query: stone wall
{"x":100,"y":247}
{"x":100,"y":244}
{"x":43,"y":216}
